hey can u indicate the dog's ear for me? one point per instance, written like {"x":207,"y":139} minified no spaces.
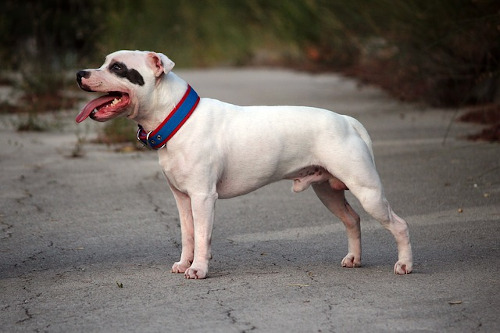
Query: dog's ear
{"x":160,"y":63}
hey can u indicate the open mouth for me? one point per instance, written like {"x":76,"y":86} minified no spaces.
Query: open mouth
{"x":105,"y":107}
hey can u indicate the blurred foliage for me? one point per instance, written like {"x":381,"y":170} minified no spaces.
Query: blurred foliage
{"x":206,"y":33}
{"x":53,"y":34}
{"x":120,"y":130}
{"x":41,"y":40}
{"x":448,"y":52}
{"x":444,"y":52}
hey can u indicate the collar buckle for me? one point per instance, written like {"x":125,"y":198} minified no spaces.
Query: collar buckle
{"x":152,"y":142}
{"x":143,"y":138}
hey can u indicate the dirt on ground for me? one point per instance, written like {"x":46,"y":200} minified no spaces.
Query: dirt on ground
{"x":487,"y":115}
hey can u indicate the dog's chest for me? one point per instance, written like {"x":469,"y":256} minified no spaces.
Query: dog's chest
{"x":175,"y":168}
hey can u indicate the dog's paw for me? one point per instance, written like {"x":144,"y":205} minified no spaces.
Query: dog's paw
{"x":351,"y":261}
{"x":403,"y":267}
{"x":194,"y":272}
{"x":180,"y":267}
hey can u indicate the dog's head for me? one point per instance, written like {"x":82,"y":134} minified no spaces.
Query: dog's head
{"x":128,"y":79}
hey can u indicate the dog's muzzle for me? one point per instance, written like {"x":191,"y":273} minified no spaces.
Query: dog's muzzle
{"x":85,"y":75}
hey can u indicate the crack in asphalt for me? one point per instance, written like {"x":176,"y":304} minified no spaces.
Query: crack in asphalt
{"x":27,"y":196}
{"x":229,"y":312}
{"x":29,"y":316}
{"x":5,"y":228}
{"x":162,"y":214}
{"x":150,"y":198}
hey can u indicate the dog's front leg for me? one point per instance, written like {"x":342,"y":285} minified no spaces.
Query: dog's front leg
{"x":187,"y":231}
{"x":203,"y":207}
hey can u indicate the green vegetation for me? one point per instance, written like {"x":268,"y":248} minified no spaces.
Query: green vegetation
{"x":444,"y":52}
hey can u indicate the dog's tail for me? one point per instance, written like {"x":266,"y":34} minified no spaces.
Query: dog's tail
{"x":363,"y":133}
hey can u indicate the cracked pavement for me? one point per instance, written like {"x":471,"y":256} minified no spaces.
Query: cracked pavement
{"x":86,"y":244}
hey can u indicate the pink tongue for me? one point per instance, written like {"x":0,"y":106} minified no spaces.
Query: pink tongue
{"x":96,"y":103}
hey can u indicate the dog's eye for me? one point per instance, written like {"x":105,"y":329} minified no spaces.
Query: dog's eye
{"x":116,"y":67}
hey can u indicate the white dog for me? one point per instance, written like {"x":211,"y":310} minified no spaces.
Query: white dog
{"x":209,"y":149}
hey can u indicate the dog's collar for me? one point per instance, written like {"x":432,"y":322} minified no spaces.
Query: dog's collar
{"x":158,"y":138}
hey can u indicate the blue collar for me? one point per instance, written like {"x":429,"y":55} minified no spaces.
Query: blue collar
{"x":158,"y":138}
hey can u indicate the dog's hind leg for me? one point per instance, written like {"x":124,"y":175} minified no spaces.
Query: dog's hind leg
{"x":335,"y":201}
{"x":374,"y":202}
{"x":360,"y":176}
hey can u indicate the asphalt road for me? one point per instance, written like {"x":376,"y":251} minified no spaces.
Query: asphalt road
{"x":86,"y":244}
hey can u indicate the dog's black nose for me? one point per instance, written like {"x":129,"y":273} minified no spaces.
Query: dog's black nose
{"x":81,"y":74}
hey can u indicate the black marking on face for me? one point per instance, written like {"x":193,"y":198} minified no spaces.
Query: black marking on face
{"x":121,"y":70}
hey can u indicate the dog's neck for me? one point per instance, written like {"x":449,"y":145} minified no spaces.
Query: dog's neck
{"x":168,"y":92}
{"x":172,"y":114}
